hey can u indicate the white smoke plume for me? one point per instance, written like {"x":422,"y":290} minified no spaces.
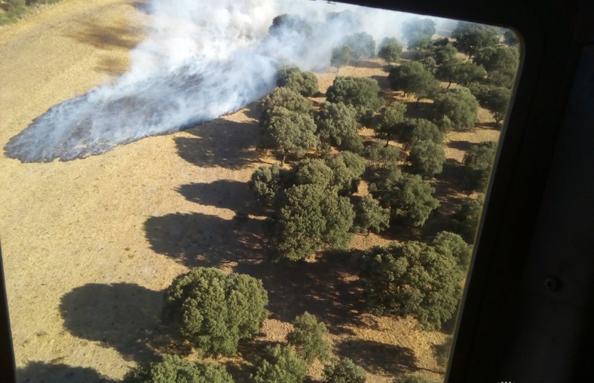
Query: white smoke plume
{"x":201,"y":59}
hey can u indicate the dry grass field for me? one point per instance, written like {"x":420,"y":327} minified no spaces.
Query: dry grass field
{"x":90,"y":244}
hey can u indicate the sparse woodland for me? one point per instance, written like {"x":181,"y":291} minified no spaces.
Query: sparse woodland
{"x":360,"y":159}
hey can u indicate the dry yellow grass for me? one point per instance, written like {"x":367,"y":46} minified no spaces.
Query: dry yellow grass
{"x":89,"y":244}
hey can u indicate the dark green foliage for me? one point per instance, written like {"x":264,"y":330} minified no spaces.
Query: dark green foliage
{"x":381,"y":154}
{"x":266,"y":183}
{"x":412,"y":279}
{"x":443,"y":52}
{"x":460,"y":72}
{"x":285,"y":98}
{"x":361,"y":93}
{"x":479,"y":161}
{"x":310,"y":338}
{"x":370,"y":216}
{"x":343,"y":371}
{"x":426,"y":157}
{"x":215,"y":311}
{"x":455,"y":109}
{"x":471,"y":37}
{"x":494,"y":98}
{"x":361,"y":45}
{"x":293,"y":23}
{"x":390,"y":49}
{"x":408,"y":196}
{"x":281,"y":365}
{"x":348,"y":168}
{"x":418,"y":32}
{"x":413,"y":77}
{"x":390,"y":120}
{"x":453,"y":245}
{"x":311,"y":218}
{"x":173,"y":369}
{"x":420,"y":129}
{"x":290,"y":132}
{"x":304,"y":83}
{"x":498,"y":58}
{"x":314,"y":172}
{"x":467,"y":218}
{"x":337,"y":124}
{"x":353,"y":144}
{"x":341,"y":56}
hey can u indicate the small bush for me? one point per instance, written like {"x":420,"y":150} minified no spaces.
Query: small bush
{"x":344,"y":371}
{"x":310,"y":338}
{"x":215,"y":311}
{"x":173,"y":369}
{"x":281,"y":365}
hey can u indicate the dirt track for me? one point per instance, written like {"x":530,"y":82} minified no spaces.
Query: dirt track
{"x":89,"y":244}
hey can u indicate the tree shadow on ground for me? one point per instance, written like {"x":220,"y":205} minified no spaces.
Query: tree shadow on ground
{"x":327,"y":288}
{"x":460,"y":145}
{"x":41,"y":372}
{"x":121,"y":315}
{"x":220,"y":143}
{"x":107,"y":37}
{"x":379,"y":358}
{"x":383,"y":82}
{"x":206,"y":240}
{"x":421,"y":109}
{"x":226,"y":194}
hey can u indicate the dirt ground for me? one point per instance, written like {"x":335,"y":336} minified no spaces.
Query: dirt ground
{"x":89,"y":245}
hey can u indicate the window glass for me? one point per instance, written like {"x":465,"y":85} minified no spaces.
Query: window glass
{"x":242,"y":190}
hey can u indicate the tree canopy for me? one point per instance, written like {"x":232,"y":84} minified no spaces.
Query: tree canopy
{"x":412,"y":279}
{"x":427,"y":157}
{"x":453,"y":245}
{"x":173,"y":369}
{"x":459,"y":72}
{"x":215,"y":311}
{"x":390,"y":121}
{"x":310,"y":338}
{"x":494,"y":98}
{"x":343,"y":371}
{"x":337,"y":124}
{"x":361,"y":45}
{"x":304,"y":83}
{"x":285,"y":98}
{"x":455,"y":109}
{"x":479,"y":161}
{"x":390,"y":49}
{"x":282,"y":364}
{"x":290,"y":132}
{"x":370,"y":216}
{"x":413,"y":77}
{"x":472,"y":37}
{"x":361,"y":93}
{"x":418,"y":32}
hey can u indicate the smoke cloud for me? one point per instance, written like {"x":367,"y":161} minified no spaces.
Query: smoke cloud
{"x":200,"y":60}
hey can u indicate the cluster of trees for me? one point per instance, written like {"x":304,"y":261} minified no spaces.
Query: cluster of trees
{"x":213,"y":311}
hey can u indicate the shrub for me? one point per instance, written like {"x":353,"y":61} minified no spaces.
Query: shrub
{"x":281,"y":365}
{"x":413,"y":77}
{"x":215,"y":311}
{"x":390,"y":120}
{"x":408,"y":196}
{"x":412,"y":279}
{"x":361,"y":93}
{"x":290,"y":132}
{"x":343,"y":371}
{"x":455,"y":109}
{"x":304,"y":83}
{"x":453,"y":245}
{"x":311,"y":218}
{"x":173,"y":369}
{"x":427,"y":157}
{"x":390,"y":49}
{"x":337,"y":124}
{"x":266,"y":183}
{"x":479,"y":161}
{"x":310,"y":338}
{"x":371,"y":216}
